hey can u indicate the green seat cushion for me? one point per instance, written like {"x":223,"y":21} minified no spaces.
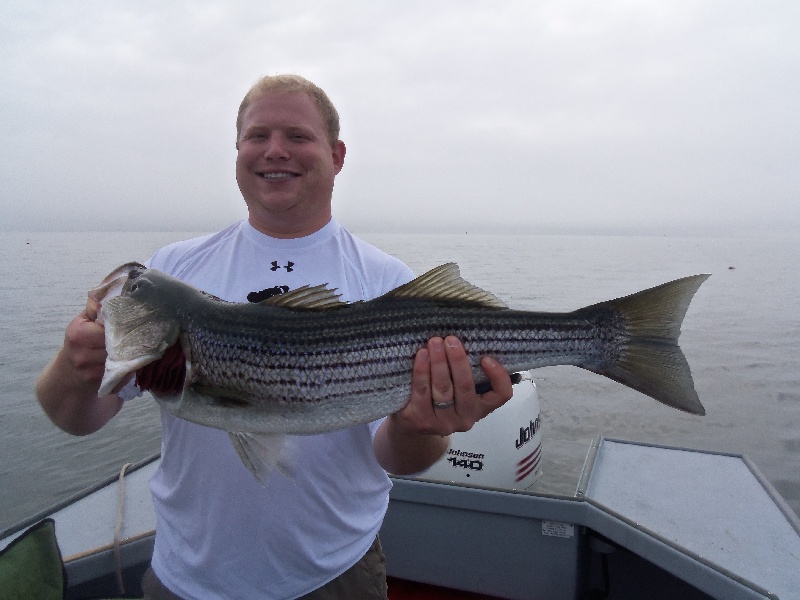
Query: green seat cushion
{"x":31,"y":566}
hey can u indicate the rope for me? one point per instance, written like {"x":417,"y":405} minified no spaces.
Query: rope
{"x":118,"y":528}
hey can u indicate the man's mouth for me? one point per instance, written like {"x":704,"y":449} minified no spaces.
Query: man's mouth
{"x":280,"y":175}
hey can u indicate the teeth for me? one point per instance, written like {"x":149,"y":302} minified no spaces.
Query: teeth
{"x":277,"y":175}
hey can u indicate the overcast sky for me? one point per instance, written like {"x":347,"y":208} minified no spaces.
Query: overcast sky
{"x":654,"y":116}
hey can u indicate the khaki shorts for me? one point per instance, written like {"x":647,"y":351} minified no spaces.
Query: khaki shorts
{"x":366,"y":579}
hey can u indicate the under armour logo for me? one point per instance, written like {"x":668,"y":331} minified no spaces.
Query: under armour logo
{"x":257,"y":297}
{"x":275,"y":266}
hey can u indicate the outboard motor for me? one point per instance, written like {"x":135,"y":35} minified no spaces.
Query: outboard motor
{"x":504,"y":450}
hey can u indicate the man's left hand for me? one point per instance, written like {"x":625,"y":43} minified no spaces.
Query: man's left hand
{"x":443,"y":397}
{"x":443,"y":401}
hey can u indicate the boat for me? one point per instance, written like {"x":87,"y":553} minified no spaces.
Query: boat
{"x":645,"y":521}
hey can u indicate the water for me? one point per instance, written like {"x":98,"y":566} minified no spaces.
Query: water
{"x":741,"y":336}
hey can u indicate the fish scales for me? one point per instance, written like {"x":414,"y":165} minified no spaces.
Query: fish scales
{"x":304,"y":363}
{"x":347,"y":354}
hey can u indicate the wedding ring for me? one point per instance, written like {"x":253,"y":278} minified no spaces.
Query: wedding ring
{"x":444,"y":404}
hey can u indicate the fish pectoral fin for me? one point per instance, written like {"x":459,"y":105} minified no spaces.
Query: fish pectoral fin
{"x":262,"y":453}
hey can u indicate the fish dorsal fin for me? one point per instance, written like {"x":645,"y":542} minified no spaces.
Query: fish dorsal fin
{"x":444,"y":283}
{"x":318,"y":297}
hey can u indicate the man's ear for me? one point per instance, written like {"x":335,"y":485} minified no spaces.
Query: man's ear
{"x":339,"y":150}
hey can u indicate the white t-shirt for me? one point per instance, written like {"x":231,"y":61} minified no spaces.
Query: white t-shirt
{"x":220,"y":533}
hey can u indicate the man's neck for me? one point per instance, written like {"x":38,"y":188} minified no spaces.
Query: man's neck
{"x":288,"y":229}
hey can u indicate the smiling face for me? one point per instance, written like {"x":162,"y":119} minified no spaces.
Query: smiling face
{"x":286,"y":165}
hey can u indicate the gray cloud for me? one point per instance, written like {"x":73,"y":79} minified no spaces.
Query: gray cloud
{"x":615,"y":116}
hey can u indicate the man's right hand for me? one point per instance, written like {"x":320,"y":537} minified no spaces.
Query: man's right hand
{"x":67,"y":387}
{"x":85,"y":348}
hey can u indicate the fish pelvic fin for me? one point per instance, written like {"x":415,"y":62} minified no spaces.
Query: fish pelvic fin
{"x":262,"y":453}
{"x":650,"y":360}
{"x":445,"y":284}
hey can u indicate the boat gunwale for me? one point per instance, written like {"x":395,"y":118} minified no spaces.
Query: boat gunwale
{"x":77,"y":497}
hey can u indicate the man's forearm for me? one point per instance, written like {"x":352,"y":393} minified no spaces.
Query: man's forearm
{"x":404,"y":453}
{"x":71,"y":403}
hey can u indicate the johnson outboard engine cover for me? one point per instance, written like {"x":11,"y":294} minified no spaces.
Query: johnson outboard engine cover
{"x":504,"y":450}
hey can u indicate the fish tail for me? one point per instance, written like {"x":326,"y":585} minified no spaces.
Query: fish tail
{"x":650,"y":361}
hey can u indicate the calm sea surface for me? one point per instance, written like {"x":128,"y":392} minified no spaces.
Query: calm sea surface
{"x":741,"y":336}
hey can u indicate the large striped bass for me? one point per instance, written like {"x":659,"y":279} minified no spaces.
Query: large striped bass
{"x":304,"y":362}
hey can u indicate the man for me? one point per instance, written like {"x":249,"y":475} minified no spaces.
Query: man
{"x":220,"y":533}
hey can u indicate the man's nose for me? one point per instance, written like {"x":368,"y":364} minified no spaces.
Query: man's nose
{"x":277,"y":147}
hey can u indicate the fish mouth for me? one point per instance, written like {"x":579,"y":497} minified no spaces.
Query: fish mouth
{"x":117,"y":372}
{"x":165,"y":375}
{"x":161,"y":371}
{"x":136,"y":332}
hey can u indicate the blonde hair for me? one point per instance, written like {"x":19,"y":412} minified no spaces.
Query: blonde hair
{"x":283,"y":84}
